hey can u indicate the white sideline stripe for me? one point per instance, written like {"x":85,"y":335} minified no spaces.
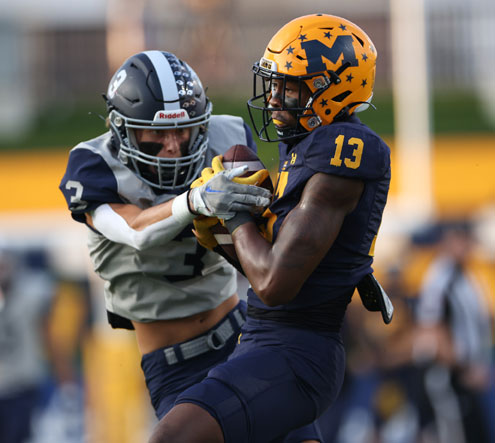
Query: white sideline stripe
{"x":223,"y":239}
{"x":253,"y":165}
{"x":166,"y":78}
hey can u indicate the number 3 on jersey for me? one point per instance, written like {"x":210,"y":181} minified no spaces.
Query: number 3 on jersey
{"x":354,"y":160}
{"x":76,"y":203}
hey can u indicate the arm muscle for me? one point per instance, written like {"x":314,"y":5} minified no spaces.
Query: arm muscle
{"x":277,"y":272}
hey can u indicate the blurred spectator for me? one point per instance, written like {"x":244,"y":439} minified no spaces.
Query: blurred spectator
{"x":25,"y":300}
{"x":428,"y":376}
{"x":453,"y":342}
{"x":40,"y":389}
{"x":62,"y":418}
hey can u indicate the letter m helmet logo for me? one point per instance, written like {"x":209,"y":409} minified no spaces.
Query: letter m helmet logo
{"x":316,"y":51}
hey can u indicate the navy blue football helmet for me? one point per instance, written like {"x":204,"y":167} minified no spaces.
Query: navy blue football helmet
{"x":156,"y":90}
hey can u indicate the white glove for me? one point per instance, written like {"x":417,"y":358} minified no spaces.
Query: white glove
{"x":221,"y":197}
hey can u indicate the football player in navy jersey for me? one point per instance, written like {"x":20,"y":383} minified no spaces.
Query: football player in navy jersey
{"x":130,"y":186}
{"x":333,"y":180}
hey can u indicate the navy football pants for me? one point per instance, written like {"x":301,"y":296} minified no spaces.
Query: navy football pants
{"x":279,"y":378}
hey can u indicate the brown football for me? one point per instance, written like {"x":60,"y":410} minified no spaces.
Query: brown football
{"x":238,"y":155}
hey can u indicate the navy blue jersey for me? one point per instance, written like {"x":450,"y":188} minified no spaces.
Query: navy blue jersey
{"x":347,"y":149}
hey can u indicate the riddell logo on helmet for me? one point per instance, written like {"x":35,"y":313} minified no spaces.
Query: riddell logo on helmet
{"x":171,"y":115}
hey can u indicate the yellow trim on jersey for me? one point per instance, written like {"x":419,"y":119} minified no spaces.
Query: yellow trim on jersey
{"x":372,"y":247}
{"x":282,"y":180}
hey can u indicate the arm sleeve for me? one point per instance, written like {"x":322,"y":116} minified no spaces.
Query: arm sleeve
{"x":115,"y":228}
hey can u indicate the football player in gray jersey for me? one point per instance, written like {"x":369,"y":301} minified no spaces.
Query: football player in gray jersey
{"x":130,"y":186}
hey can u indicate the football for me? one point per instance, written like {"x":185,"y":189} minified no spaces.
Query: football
{"x":239,"y":155}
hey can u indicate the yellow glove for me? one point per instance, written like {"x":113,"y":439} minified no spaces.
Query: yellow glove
{"x":217,"y":167}
{"x":206,"y":174}
{"x":209,"y":172}
{"x":255,"y":179}
{"x":202,"y":231}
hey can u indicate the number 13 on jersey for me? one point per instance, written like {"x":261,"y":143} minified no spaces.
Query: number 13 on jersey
{"x":353,"y":161}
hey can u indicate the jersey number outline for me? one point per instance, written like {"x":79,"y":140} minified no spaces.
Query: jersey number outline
{"x":350,"y":162}
{"x":192,"y":264}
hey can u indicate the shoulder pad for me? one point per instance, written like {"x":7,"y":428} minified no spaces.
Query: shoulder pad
{"x":88,"y":181}
{"x":225,"y":131}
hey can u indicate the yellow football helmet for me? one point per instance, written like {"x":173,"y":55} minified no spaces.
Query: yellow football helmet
{"x":333,"y":57}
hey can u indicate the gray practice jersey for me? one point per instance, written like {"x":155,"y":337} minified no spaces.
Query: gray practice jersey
{"x":175,"y":280}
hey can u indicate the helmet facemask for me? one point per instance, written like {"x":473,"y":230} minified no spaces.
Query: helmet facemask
{"x":300,"y":108}
{"x":159,"y":172}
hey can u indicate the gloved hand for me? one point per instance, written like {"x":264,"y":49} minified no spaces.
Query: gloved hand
{"x":220,"y":196}
{"x":239,"y":219}
{"x":202,"y":231}
{"x":217,"y":167}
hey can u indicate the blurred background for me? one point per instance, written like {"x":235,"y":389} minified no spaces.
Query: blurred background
{"x":426,"y":377}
